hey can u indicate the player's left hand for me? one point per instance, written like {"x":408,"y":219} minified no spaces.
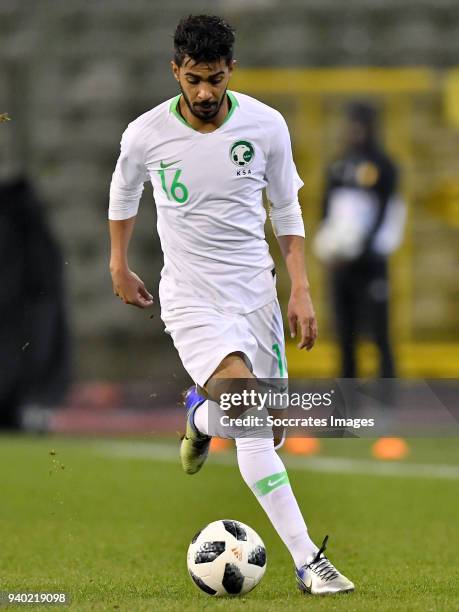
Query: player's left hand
{"x":301,"y":314}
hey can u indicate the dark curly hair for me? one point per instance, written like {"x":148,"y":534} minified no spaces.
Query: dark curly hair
{"x":204,"y":38}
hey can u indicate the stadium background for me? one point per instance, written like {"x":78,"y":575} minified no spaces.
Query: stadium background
{"x":74,"y":73}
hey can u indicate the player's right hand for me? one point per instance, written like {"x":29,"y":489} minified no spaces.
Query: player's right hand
{"x":131,"y":289}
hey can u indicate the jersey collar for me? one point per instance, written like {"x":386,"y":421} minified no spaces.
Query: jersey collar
{"x":174,"y":110}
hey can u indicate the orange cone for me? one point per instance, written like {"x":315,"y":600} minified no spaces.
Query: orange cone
{"x":302,"y":446}
{"x":219,"y":445}
{"x":389,"y":449}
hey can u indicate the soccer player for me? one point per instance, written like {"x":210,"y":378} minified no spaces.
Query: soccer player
{"x":209,"y":154}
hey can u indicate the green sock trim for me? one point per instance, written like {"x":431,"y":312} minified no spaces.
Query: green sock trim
{"x":270,"y":483}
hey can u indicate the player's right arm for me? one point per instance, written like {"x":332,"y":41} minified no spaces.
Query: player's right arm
{"x":125,"y":192}
{"x":126,"y":284}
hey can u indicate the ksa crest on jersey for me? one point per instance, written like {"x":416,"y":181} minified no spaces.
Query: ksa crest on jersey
{"x":242,"y":153}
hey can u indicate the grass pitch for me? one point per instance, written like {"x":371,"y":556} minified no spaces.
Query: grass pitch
{"x":109,"y":522}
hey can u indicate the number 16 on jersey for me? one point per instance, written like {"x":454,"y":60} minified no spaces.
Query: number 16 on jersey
{"x":177,"y":190}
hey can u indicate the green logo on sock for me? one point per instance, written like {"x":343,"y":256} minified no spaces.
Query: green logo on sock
{"x":270,"y":483}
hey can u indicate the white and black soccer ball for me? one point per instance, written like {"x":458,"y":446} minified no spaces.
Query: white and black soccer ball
{"x":226,"y":558}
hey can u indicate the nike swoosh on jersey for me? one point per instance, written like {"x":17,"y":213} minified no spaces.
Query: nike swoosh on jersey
{"x":164,"y":166}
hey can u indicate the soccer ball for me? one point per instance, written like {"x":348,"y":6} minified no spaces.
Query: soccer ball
{"x":226,"y":558}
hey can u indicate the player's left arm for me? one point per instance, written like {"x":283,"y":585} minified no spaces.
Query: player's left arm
{"x":300,"y":312}
{"x":287,"y":221}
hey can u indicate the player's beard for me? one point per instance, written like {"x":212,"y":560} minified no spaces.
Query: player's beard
{"x":209,"y":110}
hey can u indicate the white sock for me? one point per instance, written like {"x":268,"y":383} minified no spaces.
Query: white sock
{"x":263,"y":471}
{"x":201,"y":418}
{"x":210,"y":426}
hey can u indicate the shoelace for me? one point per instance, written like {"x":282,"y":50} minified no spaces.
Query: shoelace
{"x":321,"y":566}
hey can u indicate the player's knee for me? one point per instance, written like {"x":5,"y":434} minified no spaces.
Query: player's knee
{"x":233,"y":365}
{"x":224,"y":380}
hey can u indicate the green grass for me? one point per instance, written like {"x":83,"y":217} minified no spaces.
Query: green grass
{"x":113,"y":531}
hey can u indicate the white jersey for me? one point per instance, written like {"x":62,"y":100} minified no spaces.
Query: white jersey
{"x":208,"y":193}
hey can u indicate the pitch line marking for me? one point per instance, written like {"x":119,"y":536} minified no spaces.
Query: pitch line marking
{"x":332,"y":465}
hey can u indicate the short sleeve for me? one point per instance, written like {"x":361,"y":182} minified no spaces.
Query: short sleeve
{"x":281,"y":174}
{"x":128,"y":178}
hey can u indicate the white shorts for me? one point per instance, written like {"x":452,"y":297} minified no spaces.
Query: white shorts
{"x":204,"y":336}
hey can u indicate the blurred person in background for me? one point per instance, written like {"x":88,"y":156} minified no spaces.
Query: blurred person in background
{"x":34,"y":339}
{"x":363,"y":221}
